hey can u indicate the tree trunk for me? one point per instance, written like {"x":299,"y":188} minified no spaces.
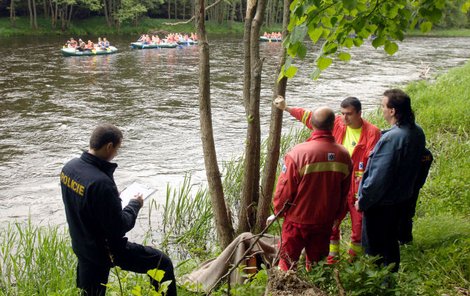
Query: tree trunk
{"x":69,"y":19}
{"x":12,"y":14}
{"x":246,"y":198}
{"x":106,"y":13}
{"x":30,"y":14}
{"x":274,"y":139}
{"x":222,"y":220}
{"x":46,"y":9}
{"x":35,"y":15}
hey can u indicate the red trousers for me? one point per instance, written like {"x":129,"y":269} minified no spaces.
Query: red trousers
{"x":295,"y":237}
{"x":356,"y":224}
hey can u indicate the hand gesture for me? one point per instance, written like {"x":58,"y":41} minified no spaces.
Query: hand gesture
{"x":280,"y":103}
{"x":140,"y":198}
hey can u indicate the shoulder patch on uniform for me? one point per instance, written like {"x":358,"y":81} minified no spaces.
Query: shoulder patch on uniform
{"x":284,"y":168}
{"x":331,"y":156}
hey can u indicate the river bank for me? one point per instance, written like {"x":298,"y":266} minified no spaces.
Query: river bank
{"x":38,"y":260}
{"x":96,"y":26}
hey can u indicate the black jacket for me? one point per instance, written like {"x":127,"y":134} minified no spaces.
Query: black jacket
{"x":97,"y":222}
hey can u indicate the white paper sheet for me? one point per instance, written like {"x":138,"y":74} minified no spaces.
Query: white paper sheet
{"x":135,"y":188}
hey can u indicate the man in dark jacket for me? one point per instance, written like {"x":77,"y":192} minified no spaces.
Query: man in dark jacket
{"x":390,"y":176}
{"x":405,"y":225}
{"x":97,"y":222}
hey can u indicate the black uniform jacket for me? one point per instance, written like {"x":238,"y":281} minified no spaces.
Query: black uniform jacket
{"x":97,"y":222}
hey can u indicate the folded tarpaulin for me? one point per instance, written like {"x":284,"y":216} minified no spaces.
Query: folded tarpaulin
{"x":209,"y":272}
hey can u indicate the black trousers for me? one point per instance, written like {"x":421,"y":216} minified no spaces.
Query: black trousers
{"x":380,"y":224}
{"x":136,"y":258}
{"x":405,"y":224}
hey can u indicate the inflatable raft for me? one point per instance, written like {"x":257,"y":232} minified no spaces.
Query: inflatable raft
{"x":266,"y":39}
{"x":141,"y":45}
{"x":97,"y":51}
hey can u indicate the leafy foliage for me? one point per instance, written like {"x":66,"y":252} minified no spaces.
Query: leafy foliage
{"x":342,"y":24}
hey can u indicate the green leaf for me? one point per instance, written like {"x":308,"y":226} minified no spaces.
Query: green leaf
{"x":290,"y":72}
{"x":315,"y":74}
{"x":137,"y":291}
{"x":466,"y":7}
{"x":344,"y":56}
{"x":379,"y":41}
{"x":349,"y":4}
{"x":326,"y":22}
{"x":292,"y":49}
{"x":315,"y":34}
{"x":391,"y":47}
{"x":426,"y":27}
{"x":348,"y":42}
{"x":302,"y":51}
{"x":413,"y":24}
{"x":156,"y":274}
{"x":281,"y":74}
{"x":392,"y":11}
{"x":435,"y":15}
{"x":330,"y":48}
{"x":298,"y":34}
{"x":323,"y":62}
{"x":358,"y":42}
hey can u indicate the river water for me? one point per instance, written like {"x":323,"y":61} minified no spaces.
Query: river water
{"x":49,"y":105}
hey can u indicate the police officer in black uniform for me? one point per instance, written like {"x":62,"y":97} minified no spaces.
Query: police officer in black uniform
{"x":97,"y":222}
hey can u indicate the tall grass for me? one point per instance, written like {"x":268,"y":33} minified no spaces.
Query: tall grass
{"x":36,"y":260}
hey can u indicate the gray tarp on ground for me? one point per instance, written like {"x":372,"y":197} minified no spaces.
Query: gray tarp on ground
{"x":203,"y":278}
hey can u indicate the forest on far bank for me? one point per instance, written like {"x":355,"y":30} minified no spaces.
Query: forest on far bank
{"x":61,"y":15}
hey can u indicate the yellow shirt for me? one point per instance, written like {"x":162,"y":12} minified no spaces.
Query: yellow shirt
{"x":351,"y":138}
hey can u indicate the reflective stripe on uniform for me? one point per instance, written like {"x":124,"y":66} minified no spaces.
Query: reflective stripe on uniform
{"x":319,"y":167}
{"x":305,"y":117}
{"x":356,"y":248}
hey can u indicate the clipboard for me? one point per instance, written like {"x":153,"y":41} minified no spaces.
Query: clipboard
{"x":130,"y":191}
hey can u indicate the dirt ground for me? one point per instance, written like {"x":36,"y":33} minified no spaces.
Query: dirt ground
{"x":289,"y":284}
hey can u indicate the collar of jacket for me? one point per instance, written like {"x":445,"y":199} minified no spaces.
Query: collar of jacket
{"x":107,"y":167}
{"x":321,"y":134}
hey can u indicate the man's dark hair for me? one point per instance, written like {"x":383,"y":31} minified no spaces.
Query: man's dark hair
{"x":327,"y":123}
{"x":352,"y":102}
{"x":104,"y":134}
{"x":401,"y":102}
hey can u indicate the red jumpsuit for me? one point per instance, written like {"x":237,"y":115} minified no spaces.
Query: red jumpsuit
{"x":370,"y":134}
{"x":315,"y":180}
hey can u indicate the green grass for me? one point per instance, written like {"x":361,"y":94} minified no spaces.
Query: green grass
{"x":442,"y":33}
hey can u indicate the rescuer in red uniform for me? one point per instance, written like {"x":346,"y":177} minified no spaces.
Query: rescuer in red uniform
{"x":359,"y":137}
{"x":314,"y":182}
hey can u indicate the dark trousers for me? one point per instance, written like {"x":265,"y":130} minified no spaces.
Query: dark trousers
{"x":381,"y":233}
{"x":136,"y":258}
{"x":405,"y":224}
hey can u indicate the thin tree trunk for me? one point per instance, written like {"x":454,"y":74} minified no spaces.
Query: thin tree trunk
{"x":246,"y":198}
{"x":70,"y":16}
{"x":274,"y":140}
{"x":30,"y":14}
{"x":222,"y":220}
{"x":35,"y":15}
{"x":176,"y":9}
{"x":241,"y":11}
{"x":46,"y":9}
{"x":106,"y":13}
{"x":12,"y":13}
